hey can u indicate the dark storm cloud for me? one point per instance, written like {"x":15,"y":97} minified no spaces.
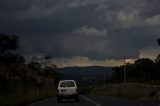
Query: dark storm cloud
{"x":128,"y":42}
{"x":20,"y":5}
{"x":46,"y":18}
{"x":90,"y":28}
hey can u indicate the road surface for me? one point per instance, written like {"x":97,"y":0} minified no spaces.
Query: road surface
{"x":92,"y":100}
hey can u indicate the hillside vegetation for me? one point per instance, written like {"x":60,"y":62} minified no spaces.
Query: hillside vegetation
{"x":22,"y":83}
{"x":143,"y":70}
{"x":130,"y":90}
{"x":140,"y":80}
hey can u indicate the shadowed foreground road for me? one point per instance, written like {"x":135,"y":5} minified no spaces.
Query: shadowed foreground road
{"x":94,"y":101}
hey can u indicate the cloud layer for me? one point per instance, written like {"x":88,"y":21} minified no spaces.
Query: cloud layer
{"x":95,"y":29}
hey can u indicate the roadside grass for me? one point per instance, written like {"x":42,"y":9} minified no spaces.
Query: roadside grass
{"x":130,"y":90}
{"x":20,"y":97}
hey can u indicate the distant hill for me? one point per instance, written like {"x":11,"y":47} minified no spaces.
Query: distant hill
{"x":90,"y":70}
{"x":90,"y":75}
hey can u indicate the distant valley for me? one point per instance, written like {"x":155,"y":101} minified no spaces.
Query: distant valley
{"x":90,"y":75}
{"x":90,"y":70}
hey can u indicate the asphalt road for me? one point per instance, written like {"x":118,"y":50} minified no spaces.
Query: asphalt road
{"x":92,"y":100}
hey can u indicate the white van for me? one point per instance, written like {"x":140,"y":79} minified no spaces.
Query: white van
{"x":67,"y":89}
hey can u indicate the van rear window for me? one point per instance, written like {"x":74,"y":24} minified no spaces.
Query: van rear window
{"x":67,"y":84}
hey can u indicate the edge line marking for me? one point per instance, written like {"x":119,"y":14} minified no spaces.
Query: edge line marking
{"x":91,"y":101}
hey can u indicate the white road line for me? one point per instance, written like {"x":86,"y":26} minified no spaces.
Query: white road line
{"x":91,"y":101}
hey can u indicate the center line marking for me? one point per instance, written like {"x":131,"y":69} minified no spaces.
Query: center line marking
{"x":91,"y":101}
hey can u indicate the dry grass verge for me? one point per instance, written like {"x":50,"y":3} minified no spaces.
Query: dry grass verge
{"x":130,"y":90}
{"x":20,"y":98}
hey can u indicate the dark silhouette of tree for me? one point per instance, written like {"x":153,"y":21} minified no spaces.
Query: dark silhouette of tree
{"x":158,"y":57}
{"x":158,"y":41}
{"x":117,"y":76}
{"x":47,"y":60}
{"x":47,"y":57}
{"x":157,"y":60}
{"x":36,"y":67}
{"x":19,"y":78}
{"x":10,"y":59}
{"x":145,"y":69}
{"x":8,"y":43}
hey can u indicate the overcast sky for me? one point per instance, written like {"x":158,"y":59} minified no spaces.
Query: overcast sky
{"x":98,"y":30}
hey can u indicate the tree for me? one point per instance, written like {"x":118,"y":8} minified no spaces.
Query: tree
{"x":117,"y":75}
{"x":158,"y":41}
{"x":8,"y":43}
{"x":47,"y":60}
{"x":145,"y":69}
{"x":35,"y":66}
{"x":158,"y":57}
{"x":47,"y":57}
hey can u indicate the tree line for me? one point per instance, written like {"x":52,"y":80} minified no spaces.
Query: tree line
{"x":17,"y":77}
{"x":143,"y":70}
